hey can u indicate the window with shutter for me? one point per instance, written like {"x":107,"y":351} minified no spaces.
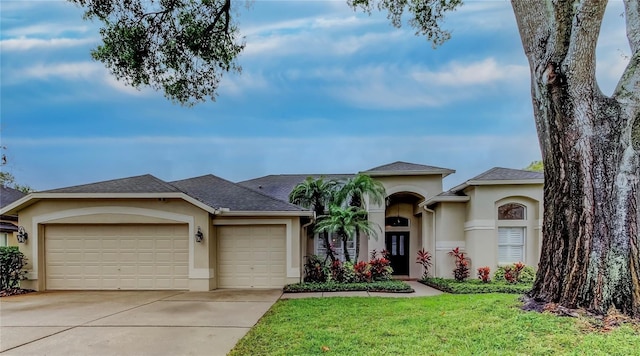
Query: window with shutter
{"x":511,"y":244}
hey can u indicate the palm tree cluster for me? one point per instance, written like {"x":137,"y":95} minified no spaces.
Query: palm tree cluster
{"x":340,"y":208}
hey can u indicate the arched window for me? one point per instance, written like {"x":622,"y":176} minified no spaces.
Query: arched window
{"x":394,"y":221}
{"x":511,"y":211}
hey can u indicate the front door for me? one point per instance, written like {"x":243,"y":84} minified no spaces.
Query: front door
{"x":397,"y":244}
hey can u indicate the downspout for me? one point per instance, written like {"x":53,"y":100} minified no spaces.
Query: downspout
{"x":304,"y":227}
{"x":433,"y":237}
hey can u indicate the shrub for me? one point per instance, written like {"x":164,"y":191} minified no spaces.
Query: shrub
{"x":383,"y":286}
{"x":315,"y":270}
{"x":424,"y":259}
{"x":337,"y":271}
{"x":516,"y":273}
{"x":484,"y":274}
{"x":475,"y":286}
{"x":380,"y":267}
{"x":461,"y":272}
{"x":12,"y":261}
{"x":362,"y":272}
{"x":348,"y":273}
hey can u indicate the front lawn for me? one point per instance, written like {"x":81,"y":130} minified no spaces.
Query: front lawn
{"x":481,"y":324}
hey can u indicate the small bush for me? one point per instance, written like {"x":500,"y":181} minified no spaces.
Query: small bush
{"x":484,"y":274}
{"x":362,"y":272}
{"x":348,"y":273}
{"x":461,"y":272}
{"x":315,"y":270}
{"x":380,"y":267}
{"x":526,"y":274}
{"x":424,"y":259}
{"x":12,"y":261}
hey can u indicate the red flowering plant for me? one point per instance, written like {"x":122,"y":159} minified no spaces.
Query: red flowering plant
{"x":424,"y":259}
{"x":362,"y":272}
{"x":380,"y":267}
{"x":484,"y":274}
{"x":461,"y":272}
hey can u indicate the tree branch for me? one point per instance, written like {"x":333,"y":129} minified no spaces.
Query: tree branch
{"x":632,"y":14}
{"x":223,"y":10}
{"x":585,"y":29}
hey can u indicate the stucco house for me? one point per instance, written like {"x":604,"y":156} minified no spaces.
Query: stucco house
{"x":205,"y":233}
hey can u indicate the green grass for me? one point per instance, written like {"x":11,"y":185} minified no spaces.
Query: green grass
{"x":476,"y":286}
{"x":382,"y":286}
{"x":481,"y":324}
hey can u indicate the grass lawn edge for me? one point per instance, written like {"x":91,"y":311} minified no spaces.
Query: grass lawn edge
{"x":377,"y":287}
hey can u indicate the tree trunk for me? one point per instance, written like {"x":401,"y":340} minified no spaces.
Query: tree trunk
{"x":345,"y":238}
{"x":590,"y":145}
{"x":329,"y":248}
{"x":357,"y":242}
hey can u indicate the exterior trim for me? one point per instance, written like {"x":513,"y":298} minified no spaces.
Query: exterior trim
{"x":291,"y":271}
{"x":176,"y":195}
{"x":496,"y":182}
{"x":449,"y":245}
{"x":43,"y":219}
{"x":435,"y":172}
{"x":446,"y":199}
{"x":479,"y":225}
{"x":266,"y":213}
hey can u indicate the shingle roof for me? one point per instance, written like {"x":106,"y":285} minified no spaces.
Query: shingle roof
{"x":139,"y":184}
{"x":409,"y":167}
{"x":279,"y":186}
{"x":9,"y":195}
{"x":220,"y":193}
{"x":499,"y":173}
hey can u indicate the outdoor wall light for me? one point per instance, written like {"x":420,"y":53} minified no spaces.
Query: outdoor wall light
{"x":199,"y":235}
{"x":22,"y":235}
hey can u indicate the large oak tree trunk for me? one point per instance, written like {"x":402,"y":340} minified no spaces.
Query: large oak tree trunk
{"x":590,"y":145}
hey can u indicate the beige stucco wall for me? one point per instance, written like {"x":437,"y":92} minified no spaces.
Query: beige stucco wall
{"x":481,"y":224}
{"x":449,"y":228}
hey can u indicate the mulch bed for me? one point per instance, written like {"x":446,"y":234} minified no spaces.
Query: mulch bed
{"x":15,"y":291}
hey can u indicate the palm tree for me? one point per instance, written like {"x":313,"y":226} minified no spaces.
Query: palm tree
{"x":316,"y":194}
{"x":345,"y":222}
{"x":353,"y":193}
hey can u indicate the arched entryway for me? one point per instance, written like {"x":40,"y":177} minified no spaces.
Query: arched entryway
{"x":403,"y":230}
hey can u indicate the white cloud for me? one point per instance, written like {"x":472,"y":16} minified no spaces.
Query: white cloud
{"x":238,"y":84}
{"x":484,"y":72}
{"x":26,"y":44}
{"x":45,"y":29}
{"x":68,"y":71}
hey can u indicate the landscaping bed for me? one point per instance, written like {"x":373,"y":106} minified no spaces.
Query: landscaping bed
{"x":476,"y":286}
{"x":380,"y":286}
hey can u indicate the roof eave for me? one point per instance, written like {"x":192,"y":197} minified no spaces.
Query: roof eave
{"x":266,"y":213}
{"x":442,"y":172}
{"x":35,"y":197}
{"x":445,"y":199}
{"x":506,"y":181}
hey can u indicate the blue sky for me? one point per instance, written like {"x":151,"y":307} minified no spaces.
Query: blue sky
{"x":324,"y":89}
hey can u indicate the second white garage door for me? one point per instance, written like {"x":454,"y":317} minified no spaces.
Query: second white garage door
{"x":117,"y":256}
{"x":251,"y":256}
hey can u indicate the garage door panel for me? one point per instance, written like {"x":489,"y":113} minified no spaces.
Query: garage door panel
{"x":116,"y":256}
{"x":251,"y":256}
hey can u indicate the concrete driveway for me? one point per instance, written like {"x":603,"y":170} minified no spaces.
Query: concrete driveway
{"x":130,"y":322}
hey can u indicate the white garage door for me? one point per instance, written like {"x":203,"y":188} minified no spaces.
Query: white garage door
{"x":251,"y":256}
{"x":117,"y":256}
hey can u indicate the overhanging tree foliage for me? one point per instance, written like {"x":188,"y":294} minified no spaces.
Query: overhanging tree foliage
{"x":179,"y":47}
{"x":590,"y":142}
